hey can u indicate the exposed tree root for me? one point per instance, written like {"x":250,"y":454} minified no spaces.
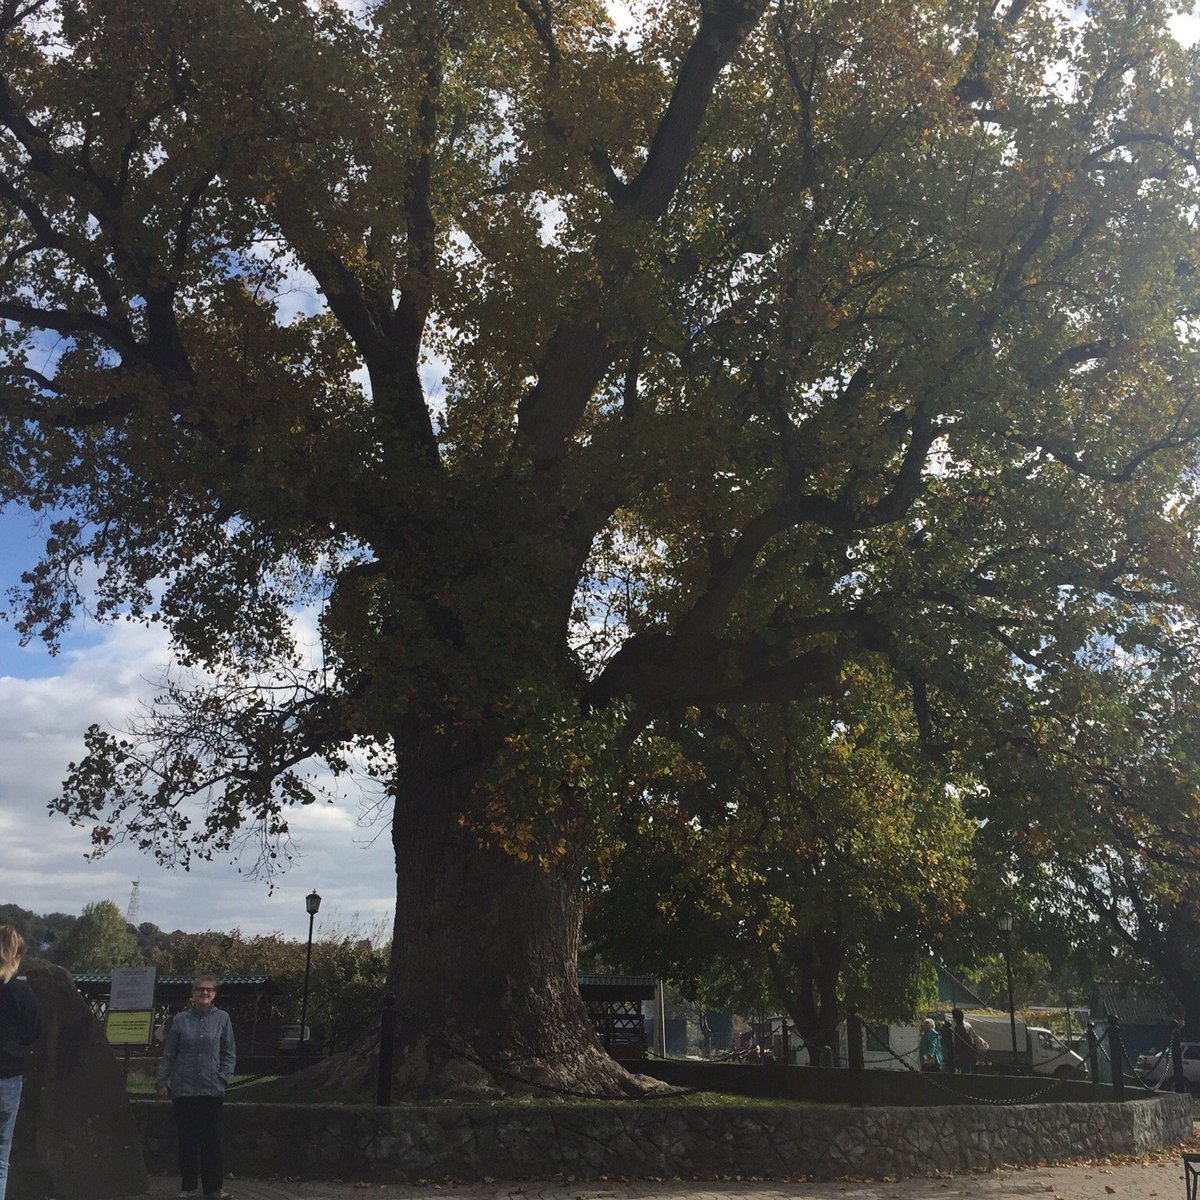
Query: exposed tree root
{"x":430,"y":1072}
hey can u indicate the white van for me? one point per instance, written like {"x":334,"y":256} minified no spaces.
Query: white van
{"x":1036,"y":1048}
{"x":894,"y":1047}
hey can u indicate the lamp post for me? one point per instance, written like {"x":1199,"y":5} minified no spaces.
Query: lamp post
{"x":312,"y":903}
{"x":1004,"y":922}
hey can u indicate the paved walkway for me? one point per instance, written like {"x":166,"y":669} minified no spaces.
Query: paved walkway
{"x":1156,"y":1177}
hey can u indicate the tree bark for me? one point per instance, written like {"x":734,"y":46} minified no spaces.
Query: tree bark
{"x":483,"y":965}
{"x":483,"y":958}
{"x":808,"y":977}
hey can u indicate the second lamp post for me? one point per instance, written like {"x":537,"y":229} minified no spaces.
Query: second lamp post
{"x":1004,"y":922}
{"x":312,"y":902}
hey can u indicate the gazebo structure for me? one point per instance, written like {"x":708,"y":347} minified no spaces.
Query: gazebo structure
{"x":247,"y":999}
{"x":614,"y":1003}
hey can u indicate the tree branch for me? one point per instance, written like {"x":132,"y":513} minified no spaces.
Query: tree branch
{"x":579,"y":351}
{"x":724,"y":25}
{"x":69,"y":324}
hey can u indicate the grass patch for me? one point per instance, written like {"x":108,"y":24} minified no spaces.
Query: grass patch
{"x":683,"y":1100}
{"x":145,"y":1087}
{"x":736,"y":1100}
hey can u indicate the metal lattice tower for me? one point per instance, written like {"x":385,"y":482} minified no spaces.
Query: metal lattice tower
{"x":131,"y":913}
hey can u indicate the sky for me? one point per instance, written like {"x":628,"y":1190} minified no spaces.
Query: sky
{"x":100,"y":675}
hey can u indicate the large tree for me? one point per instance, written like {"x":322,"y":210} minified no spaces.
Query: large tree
{"x":98,"y":941}
{"x":799,"y":857}
{"x":644,"y":373}
{"x":1095,"y":807}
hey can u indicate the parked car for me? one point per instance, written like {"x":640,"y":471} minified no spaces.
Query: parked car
{"x":1155,"y":1066}
{"x":289,"y":1039}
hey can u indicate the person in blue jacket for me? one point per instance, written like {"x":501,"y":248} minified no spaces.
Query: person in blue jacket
{"x":20,"y":1024}
{"x":930,"y":1048}
{"x":197,"y":1064}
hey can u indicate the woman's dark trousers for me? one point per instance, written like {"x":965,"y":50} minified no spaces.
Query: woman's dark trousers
{"x":198,"y":1124}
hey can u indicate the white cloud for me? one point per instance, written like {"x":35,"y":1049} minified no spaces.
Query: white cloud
{"x":45,"y":858}
{"x":1185,"y":27}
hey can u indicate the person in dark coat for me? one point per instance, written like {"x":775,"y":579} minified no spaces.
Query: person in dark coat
{"x":20,"y":1024}
{"x":968,"y":1045}
{"x":946,"y":1033}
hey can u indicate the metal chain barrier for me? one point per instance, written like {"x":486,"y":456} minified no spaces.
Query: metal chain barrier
{"x":1102,"y":1051}
{"x":1142,"y":1083}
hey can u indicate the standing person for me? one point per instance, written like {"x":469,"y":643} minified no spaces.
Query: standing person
{"x":20,"y":1024}
{"x":930,"y":1047}
{"x":946,"y":1037}
{"x":968,"y":1045}
{"x":197,"y":1064}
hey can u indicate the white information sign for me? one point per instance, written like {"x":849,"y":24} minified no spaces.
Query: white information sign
{"x":132,"y":989}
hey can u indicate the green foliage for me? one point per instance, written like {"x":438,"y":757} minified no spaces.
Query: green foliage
{"x":812,"y":859}
{"x":1090,"y":819}
{"x":345,"y":987}
{"x":655,"y":382}
{"x":39,"y":931}
{"x":346,"y":991}
{"x":98,"y":941}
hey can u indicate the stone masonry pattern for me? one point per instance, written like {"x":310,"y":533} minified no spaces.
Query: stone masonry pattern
{"x":409,"y":1144}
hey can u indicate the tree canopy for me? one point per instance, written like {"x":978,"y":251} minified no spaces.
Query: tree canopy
{"x":98,"y":941}
{"x":585,"y":385}
{"x":805,"y":858}
{"x":1094,"y":808}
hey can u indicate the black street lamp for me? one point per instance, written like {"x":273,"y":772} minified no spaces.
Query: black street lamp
{"x":312,"y":903}
{"x":1004,"y":922}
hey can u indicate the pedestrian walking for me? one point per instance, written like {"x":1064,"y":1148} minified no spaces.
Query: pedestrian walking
{"x":946,"y":1036}
{"x":969,"y":1047}
{"x":930,"y":1047}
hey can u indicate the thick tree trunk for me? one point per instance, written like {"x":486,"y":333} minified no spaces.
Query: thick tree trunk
{"x":483,"y":967}
{"x":806,"y":983}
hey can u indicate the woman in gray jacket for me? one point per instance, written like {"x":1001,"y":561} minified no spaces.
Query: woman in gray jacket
{"x":197,"y":1065}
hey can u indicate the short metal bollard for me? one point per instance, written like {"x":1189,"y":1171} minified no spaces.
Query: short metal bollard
{"x":387,"y":1045}
{"x":1191,"y":1172}
{"x":854,"y":1048}
{"x":1180,"y":1082}
{"x":1116,"y":1057}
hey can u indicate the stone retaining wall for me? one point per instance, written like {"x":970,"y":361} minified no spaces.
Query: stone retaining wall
{"x":464,"y":1142}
